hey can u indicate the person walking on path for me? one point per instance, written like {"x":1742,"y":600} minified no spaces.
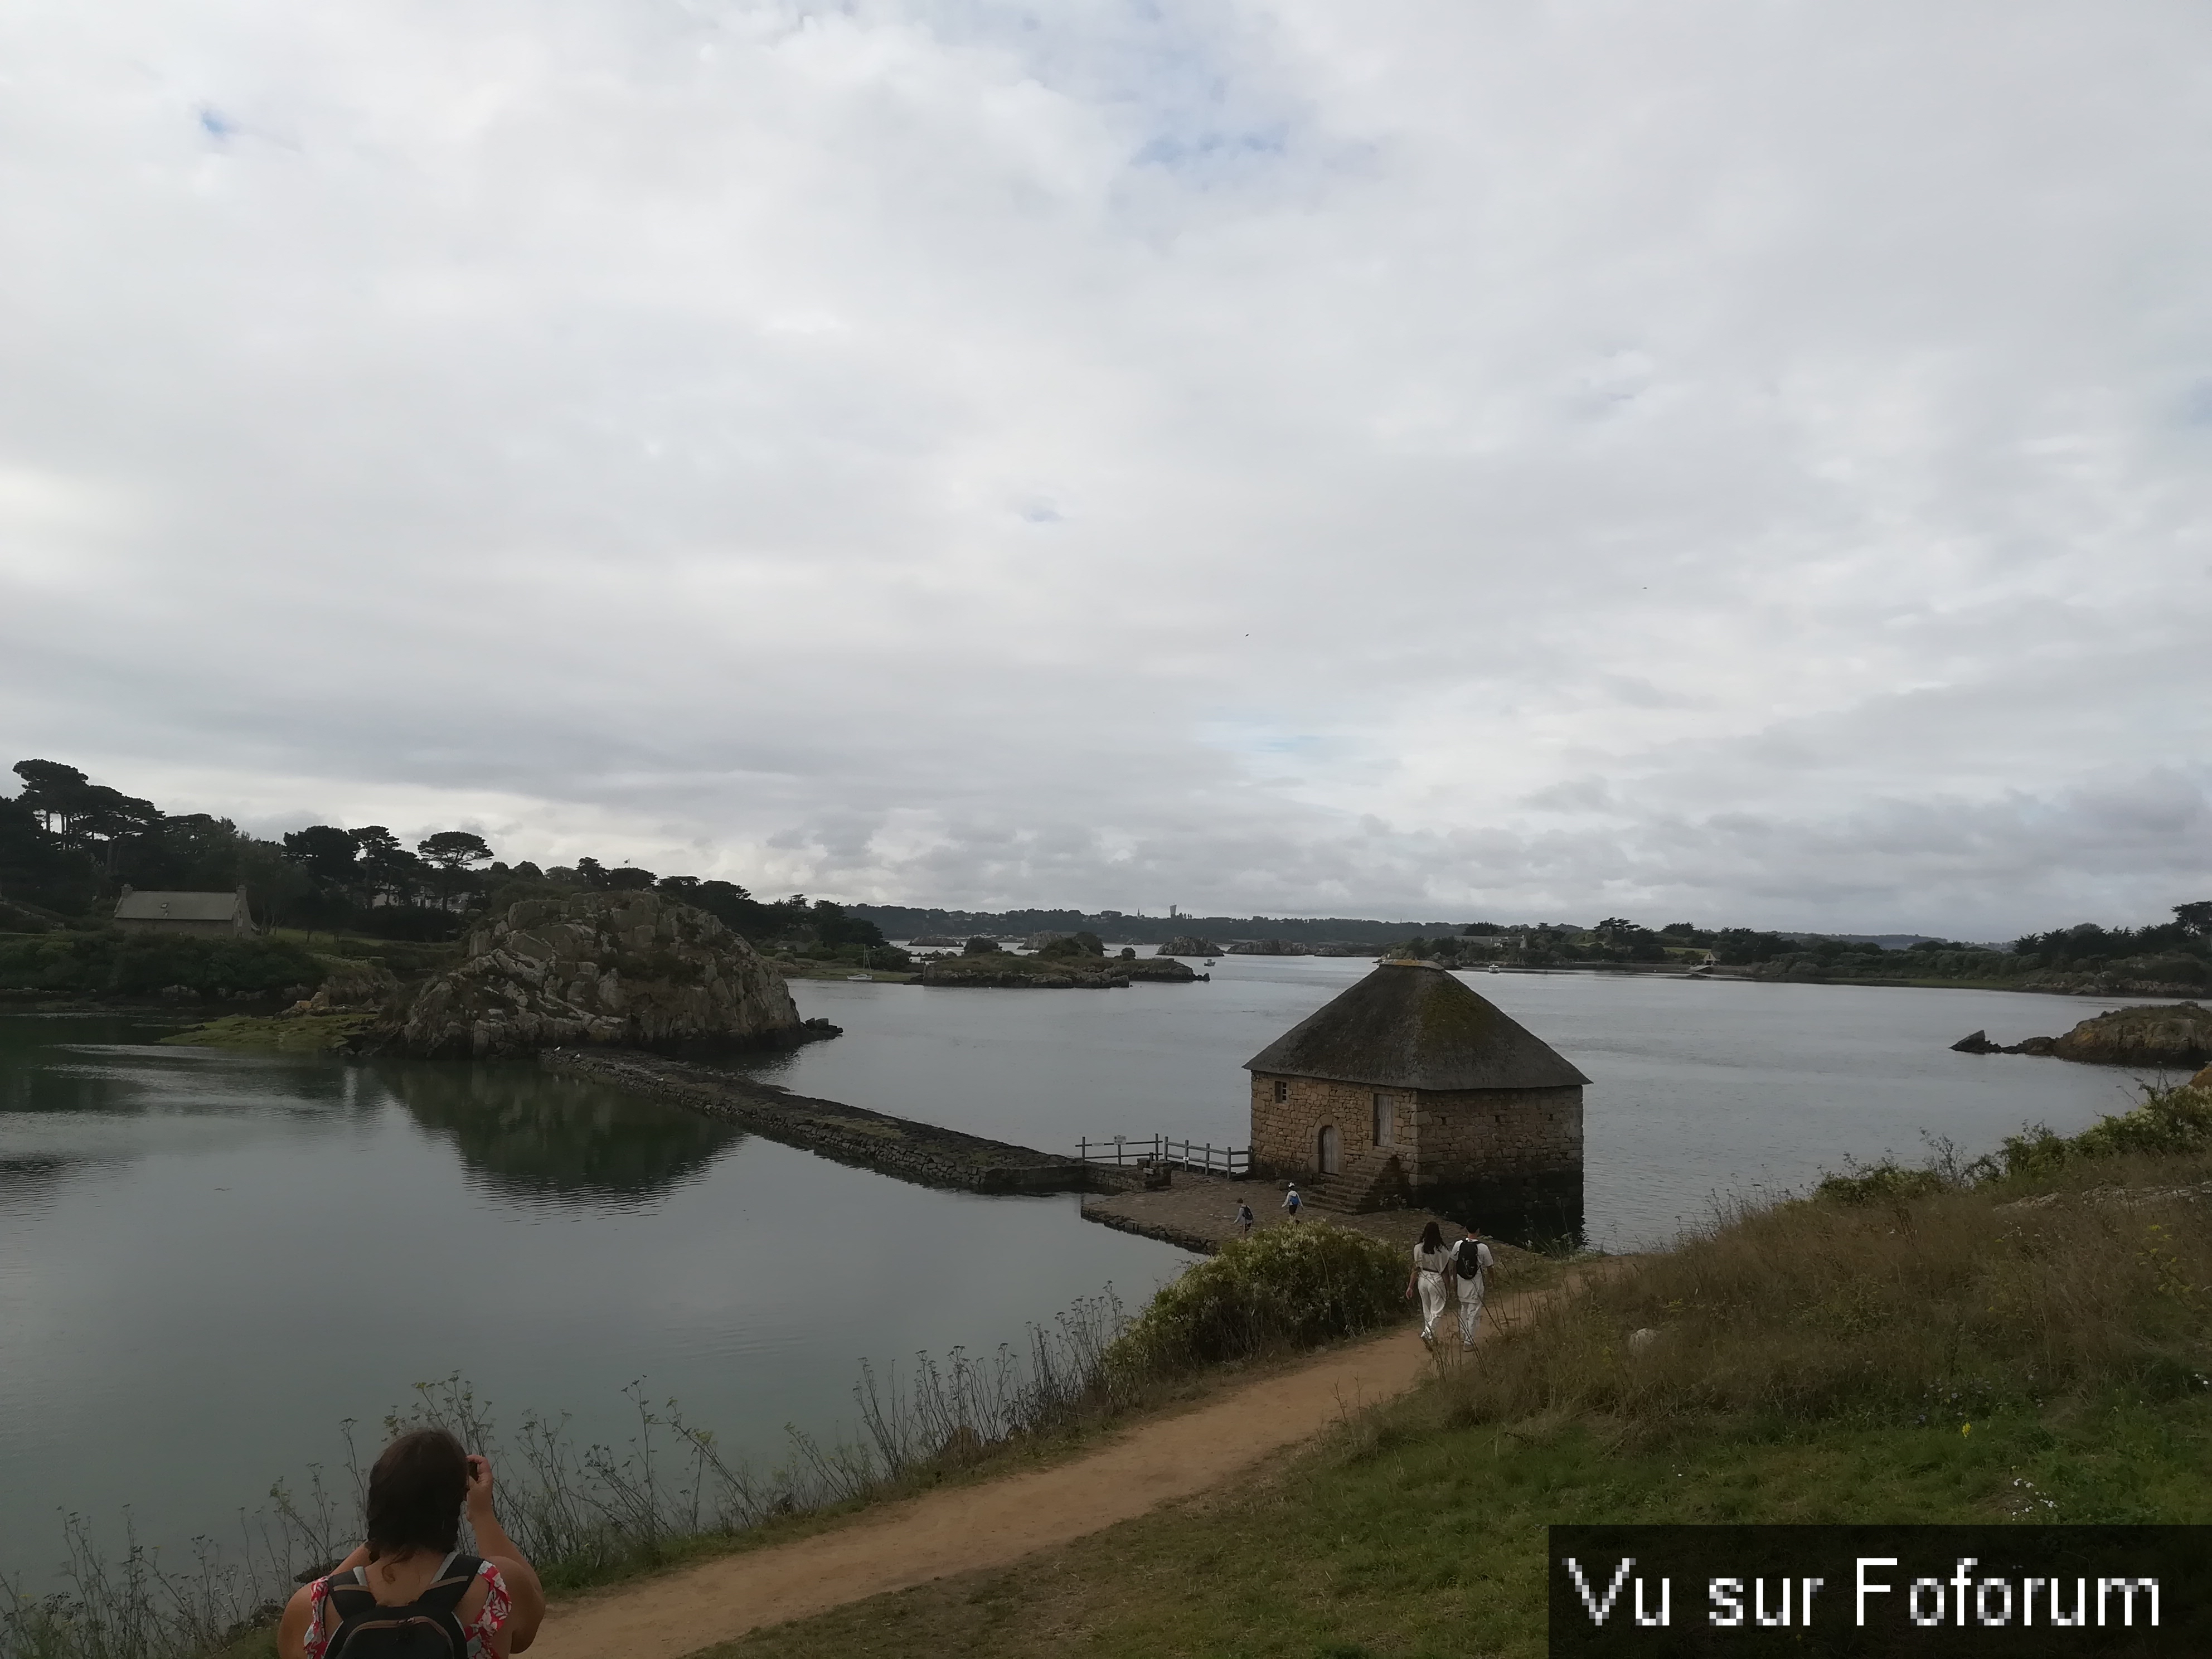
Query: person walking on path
{"x":1244,"y":1219}
{"x":409,"y":1579}
{"x":1431,"y":1259}
{"x":1292,"y":1202}
{"x":1471,"y":1264}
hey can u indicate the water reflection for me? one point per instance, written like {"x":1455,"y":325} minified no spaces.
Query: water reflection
{"x":533,"y":1136}
{"x":26,"y":1181}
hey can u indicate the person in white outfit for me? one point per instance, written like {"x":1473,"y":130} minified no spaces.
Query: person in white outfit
{"x":1430,"y":1262}
{"x":1470,"y":1265}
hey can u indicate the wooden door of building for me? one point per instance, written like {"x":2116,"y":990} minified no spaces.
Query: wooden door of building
{"x":1332,"y":1158}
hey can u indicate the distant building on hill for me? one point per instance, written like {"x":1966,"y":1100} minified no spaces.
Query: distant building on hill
{"x":201,"y":915}
{"x":1410,"y":1089}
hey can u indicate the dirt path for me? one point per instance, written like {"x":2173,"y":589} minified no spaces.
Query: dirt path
{"x":989,"y":1524}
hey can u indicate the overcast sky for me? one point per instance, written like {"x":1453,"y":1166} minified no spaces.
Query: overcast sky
{"x":1729,"y":462}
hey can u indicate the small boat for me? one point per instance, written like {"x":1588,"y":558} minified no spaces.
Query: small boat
{"x":1495,"y":969}
{"x":869,"y":977}
{"x":1208,"y":963}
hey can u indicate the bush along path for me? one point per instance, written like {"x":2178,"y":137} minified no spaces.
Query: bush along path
{"x":997,"y":1522}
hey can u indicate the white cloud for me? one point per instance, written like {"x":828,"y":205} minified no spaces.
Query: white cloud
{"x":1742,"y":461}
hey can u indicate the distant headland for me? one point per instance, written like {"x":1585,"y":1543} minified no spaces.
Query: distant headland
{"x":71,"y":848}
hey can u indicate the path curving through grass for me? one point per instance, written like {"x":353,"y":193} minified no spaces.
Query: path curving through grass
{"x":995,"y":1522}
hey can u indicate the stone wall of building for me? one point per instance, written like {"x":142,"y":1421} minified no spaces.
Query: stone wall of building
{"x":1431,"y":1138}
{"x":190,"y":929}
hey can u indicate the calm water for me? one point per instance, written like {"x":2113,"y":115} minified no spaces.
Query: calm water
{"x":208,"y":1260}
{"x":1698,"y":1087}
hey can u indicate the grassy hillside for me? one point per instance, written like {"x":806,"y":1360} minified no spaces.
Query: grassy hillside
{"x":2026,"y":1340}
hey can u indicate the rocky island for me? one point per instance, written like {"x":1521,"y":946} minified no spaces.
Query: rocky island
{"x":609,"y":969}
{"x":2158,"y":1034}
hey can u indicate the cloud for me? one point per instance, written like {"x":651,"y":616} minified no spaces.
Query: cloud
{"x":1744,"y":461}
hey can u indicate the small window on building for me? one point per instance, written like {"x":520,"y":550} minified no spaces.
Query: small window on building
{"x":1386,"y":1122}
{"x":1282,"y":1090}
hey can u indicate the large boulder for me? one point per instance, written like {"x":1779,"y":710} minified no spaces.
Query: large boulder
{"x":2173,"y":1034}
{"x":627,"y":968}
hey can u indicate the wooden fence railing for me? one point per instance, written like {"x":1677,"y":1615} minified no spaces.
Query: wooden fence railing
{"x":1201,"y":1156}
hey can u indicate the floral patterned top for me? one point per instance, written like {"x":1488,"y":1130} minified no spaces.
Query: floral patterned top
{"x":490,"y":1620}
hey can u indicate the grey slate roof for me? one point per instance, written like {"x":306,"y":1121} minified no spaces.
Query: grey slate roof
{"x":176,"y":906}
{"x":1409,"y":1025}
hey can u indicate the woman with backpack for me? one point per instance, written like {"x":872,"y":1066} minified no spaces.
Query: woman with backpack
{"x":1430,"y":1260}
{"x":409,"y":1590}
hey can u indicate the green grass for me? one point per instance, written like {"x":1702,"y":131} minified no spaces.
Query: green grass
{"x":1406,"y":1536}
{"x":290,"y":1034}
{"x":407,"y":958}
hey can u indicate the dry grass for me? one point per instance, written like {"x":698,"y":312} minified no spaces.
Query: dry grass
{"x":1955,"y":1300}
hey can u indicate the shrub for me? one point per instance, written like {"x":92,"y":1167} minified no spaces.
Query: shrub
{"x":2169,"y":1120}
{"x":421,"y":923}
{"x":142,"y":964}
{"x":1287,"y":1287}
{"x":979,"y":946}
{"x":1885,"y":1183}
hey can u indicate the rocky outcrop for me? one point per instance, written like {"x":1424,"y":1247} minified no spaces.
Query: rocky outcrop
{"x":1978,"y":1042}
{"x":620,"y":969}
{"x":1189,"y":945}
{"x":2178,"y":1034}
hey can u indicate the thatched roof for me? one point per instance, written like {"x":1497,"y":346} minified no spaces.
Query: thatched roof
{"x":1412,"y":1025}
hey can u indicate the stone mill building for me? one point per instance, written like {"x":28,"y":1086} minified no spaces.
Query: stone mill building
{"x":1410,"y":1089}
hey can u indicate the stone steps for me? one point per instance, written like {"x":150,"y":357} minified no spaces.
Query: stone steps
{"x":1342,"y":1193}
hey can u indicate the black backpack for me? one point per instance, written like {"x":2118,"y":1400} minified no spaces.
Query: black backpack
{"x":426,"y":1628}
{"x":1466,"y":1257}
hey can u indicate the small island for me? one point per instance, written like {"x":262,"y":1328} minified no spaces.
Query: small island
{"x":1075,"y":960}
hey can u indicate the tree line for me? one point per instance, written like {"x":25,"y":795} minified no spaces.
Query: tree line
{"x":2178,"y":951}
{"x":69,"y":847}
